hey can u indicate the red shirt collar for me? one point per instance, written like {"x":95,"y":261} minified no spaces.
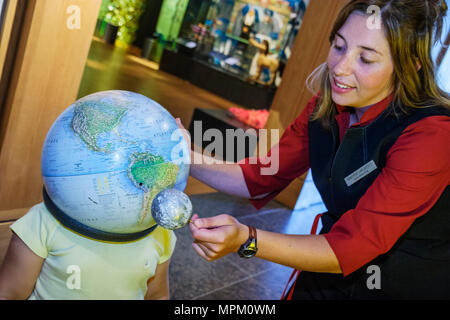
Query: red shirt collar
{"x":372,"y":112}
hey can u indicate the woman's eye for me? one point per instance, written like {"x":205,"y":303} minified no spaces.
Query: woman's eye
{"x":365,"y":61}
{"x":338,"y":48}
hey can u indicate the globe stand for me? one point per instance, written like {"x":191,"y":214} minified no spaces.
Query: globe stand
{"x":89,"y":232}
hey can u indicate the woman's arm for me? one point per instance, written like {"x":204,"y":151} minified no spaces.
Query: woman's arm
{"x":158,"y":285}
{"x":224,"y":177}
{"x":286,"y":160}
{"x":19,"y":271}
{"x":218,"y":236}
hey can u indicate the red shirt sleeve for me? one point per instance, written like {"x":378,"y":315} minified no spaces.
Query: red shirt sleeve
{"x":267,"y":176}
{"x":417,"y":172}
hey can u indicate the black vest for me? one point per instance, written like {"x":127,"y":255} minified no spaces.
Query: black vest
{"x":418,"y":266}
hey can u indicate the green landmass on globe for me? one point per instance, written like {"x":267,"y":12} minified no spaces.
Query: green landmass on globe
{"x":151,"y":174}
{"x":91,"y":120}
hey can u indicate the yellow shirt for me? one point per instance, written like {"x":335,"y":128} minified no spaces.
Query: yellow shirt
{"x":79,"y":268}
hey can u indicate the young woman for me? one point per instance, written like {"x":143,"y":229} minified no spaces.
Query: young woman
{"x":376,"y":138}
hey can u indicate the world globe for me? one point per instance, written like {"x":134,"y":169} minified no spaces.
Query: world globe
{"x":108,"y":155}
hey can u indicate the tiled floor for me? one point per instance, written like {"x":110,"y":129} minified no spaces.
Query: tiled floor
{"x":191,"y":277}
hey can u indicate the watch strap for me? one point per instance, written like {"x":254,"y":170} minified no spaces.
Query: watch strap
{"x":249,"y":248}
{"x":252,"y":233}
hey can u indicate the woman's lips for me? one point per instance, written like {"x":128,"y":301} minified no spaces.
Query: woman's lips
{"x":343,"y":88}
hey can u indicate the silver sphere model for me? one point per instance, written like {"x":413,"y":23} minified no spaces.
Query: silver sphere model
{"x":171,"y":209}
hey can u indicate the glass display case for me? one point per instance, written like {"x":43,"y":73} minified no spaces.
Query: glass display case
{"x":235,"y":48}
{"x":247,"y":38}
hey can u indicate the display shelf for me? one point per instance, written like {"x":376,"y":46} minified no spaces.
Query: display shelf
{"x":217,"y":80}
{"x":284,"y":10}
{"x":239,"y":39}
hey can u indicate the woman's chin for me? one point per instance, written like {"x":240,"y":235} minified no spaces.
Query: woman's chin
{"x":342,"y":100}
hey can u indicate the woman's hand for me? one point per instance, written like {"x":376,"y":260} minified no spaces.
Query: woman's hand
{"x":217,"y":236}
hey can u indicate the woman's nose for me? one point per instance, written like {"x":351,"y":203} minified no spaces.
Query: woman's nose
{"x":344,"y":66}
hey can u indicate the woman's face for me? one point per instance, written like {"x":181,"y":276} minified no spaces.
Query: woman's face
{"x":360,"y":64}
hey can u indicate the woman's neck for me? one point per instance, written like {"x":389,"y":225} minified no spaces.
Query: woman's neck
{"x":356,"y":116}
{"x":360,"y":111}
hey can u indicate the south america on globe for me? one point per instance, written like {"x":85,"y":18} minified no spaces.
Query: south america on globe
{"x":108,"y":155}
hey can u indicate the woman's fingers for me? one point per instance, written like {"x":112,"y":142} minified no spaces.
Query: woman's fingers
{"x":184,"y":132}
{"x":215,"y":237}
{"x":186,"y":135}
{"x":204,"y":250}
{"x":216,"y":221}
{"x":200,"y":250}
{"x":214,"y":229}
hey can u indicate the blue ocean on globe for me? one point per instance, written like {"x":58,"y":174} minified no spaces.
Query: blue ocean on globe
{"x":108,"y":155}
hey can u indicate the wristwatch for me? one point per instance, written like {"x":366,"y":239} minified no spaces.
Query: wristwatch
{"x":249,"y":248}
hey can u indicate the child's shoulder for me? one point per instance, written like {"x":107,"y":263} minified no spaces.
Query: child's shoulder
{"x":37,"y":219}
{"x":165,"y":241}
{"x":162,"y":235}
{"x":39,"y":213}
{"x":36,"y":228}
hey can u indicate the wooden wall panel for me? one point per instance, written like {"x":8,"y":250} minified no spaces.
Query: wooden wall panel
{"x":309,"y":51}
{"x":6,"y":30}
{"x":13,"y":14}
{"x":5,"y":236}
{"x":47,"y":71}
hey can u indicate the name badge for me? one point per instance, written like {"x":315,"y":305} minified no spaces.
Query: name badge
{"x":360,"y":173}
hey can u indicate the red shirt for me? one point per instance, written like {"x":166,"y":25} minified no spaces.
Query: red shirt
{"x":415,"y":175}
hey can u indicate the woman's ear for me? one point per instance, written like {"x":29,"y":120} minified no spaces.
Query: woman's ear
{"x":418,"y":65}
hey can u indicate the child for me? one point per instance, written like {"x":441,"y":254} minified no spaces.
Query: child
{"x":47,"y":261}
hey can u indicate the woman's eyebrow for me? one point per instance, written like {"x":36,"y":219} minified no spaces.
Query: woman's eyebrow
{"x":362,"y":47}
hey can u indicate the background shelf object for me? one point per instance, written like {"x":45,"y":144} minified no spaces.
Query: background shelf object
{"x":220,"y":119}
{"x":220,"y":82}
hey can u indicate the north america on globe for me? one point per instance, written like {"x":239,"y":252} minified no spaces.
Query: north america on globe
{"x":91,"y":120}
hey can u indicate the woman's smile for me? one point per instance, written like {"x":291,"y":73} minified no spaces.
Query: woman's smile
{"x":340,"y":87}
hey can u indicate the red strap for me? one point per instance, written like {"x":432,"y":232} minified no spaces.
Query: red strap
{"x":296,"y":272}
{"x":315,"y":224}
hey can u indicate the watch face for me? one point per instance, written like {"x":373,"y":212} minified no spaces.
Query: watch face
{"x":249,"y":253}
{"x":248,"y":249}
